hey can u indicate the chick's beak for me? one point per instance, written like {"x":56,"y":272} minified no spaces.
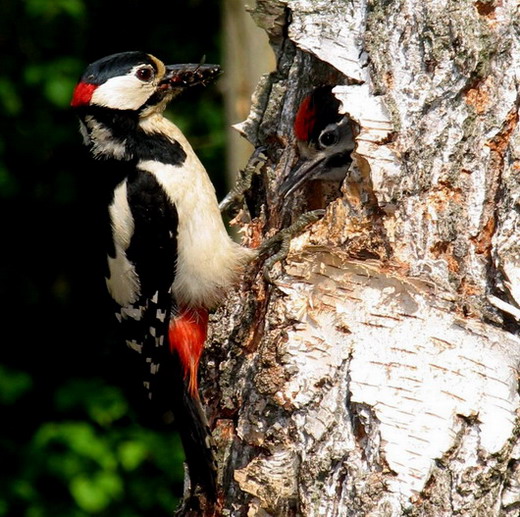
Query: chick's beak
{"x":305,"y":170}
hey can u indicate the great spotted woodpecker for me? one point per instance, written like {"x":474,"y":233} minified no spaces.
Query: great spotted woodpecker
{"x":169,"y":257}
{"x":325,"y":141}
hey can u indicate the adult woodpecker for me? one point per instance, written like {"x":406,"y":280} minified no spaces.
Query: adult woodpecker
{"x":325,"y":141}
{"x":169,"y":257}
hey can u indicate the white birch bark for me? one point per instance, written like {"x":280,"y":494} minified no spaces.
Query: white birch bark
{"x":378,"y":374}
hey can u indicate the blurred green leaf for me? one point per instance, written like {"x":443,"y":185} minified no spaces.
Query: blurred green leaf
{"x":58,"y":90}
{"x":13,"y":384}
{"x":132,"y":454}
{"x":53,"y":8}
{"x":56,"y":77}
{"x":77,"y":437}
{"x":23,"y":489}
{"x":95,"y":493}
{"x":9,"y":98}
{"x":35,"y":511}
{"x":103,"y":403}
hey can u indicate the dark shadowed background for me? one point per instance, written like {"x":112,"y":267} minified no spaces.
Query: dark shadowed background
{"x":73,"y":439}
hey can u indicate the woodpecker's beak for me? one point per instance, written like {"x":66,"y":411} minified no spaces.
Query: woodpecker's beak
{"x":184,"y":76}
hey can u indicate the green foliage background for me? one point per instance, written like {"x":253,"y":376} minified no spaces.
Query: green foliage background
{"x":76,"y":439}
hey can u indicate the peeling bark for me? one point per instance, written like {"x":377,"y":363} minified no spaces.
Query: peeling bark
{"x":378,"y":373}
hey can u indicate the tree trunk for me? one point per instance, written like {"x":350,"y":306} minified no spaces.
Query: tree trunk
{"x":246,"y":57}
{"x":377,"y":374}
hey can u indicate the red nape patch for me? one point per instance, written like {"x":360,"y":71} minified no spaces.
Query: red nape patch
{"x":187,"y":335}
{"x":305,"y":119}
{"x":82,"y":94}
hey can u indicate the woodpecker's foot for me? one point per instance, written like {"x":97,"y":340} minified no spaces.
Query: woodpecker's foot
{"x":283,"y":239}
{"x":235,"y":197}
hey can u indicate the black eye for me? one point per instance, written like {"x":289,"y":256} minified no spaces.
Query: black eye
{"x":329,"y":137}
{"x":144,"y":74}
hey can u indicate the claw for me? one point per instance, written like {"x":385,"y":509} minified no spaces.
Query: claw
{"x":235,"y":197}
{"x":283,"y":238}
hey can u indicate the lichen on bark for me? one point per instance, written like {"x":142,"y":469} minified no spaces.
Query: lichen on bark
{"x":377,"y":373}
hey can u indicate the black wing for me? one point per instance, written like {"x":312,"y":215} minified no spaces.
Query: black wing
{"x":152,"y":253}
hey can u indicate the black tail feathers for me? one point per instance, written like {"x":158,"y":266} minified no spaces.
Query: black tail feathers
{"x":191,"y":422}
{"x":198,"y":445}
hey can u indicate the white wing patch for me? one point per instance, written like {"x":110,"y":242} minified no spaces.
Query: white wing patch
{"x":134,"y":345}
{"x":123,"y":284}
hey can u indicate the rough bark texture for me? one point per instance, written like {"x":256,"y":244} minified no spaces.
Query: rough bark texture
{"x":378,"y":373}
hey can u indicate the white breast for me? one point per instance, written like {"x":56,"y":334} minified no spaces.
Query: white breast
{"x":209,"y":261}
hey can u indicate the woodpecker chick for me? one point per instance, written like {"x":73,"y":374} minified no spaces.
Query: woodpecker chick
{"x":169,"y":257}
{"x":324,"y":138}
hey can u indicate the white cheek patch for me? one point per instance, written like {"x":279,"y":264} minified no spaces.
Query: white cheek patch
{"x":125,"y":92}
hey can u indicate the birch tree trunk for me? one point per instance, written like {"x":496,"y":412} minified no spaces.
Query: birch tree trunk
{"x":377,"y":374}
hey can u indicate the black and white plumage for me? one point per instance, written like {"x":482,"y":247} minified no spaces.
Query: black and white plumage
{"x":169,"y":256}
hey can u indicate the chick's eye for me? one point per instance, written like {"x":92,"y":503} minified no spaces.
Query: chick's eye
{"x":144,"y":74}
{"x":328,"y":137}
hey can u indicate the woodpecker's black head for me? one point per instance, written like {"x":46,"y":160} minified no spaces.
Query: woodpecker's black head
{"x":324,"y":138}
{"x":137,"y":81}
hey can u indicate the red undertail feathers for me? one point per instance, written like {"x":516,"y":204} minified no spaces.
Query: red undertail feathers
{"x":187,"y":336}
